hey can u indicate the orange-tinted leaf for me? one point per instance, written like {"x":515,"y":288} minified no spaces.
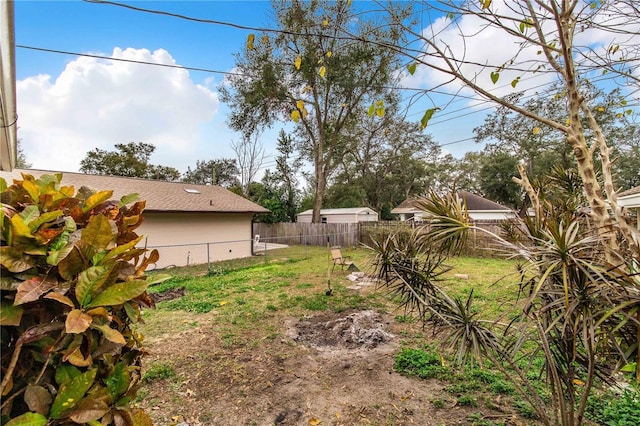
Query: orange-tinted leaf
{"x":76,"y":358}
{"x":250,"y":40}
{"x":59,"y":298}
{"x":77,"y":321}
{"x":88,"y":409}
{"x":32,"y":289}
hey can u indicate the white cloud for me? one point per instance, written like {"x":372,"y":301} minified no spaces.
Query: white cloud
{"x":96,"y":103}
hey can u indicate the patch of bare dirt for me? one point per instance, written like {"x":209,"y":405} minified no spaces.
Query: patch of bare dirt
{"x":326,"y":369}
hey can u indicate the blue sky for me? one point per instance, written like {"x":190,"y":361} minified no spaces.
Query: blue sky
{"x":69,"y":105}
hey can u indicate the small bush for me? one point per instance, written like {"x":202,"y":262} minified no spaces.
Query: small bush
{"x":158,"y":372}
{"x":73,"y":282}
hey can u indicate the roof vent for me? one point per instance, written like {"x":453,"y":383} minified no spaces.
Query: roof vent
{"x":191,"y":191}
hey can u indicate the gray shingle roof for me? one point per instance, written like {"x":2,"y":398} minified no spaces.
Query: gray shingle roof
{"x":632,"y":191}
{"x":160,"y":196}
{"x":474,"y":203}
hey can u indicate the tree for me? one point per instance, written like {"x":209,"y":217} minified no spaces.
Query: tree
{"x":223,"y":172}
{"x":129,"y":160}
{"x":310,"y":74}
{"x":495,"y":179}
{"x":287,"y":166}
{"x":547,"y":35}
{"x":22,"y":162}
{"x":393,"y":160}
{"x":249,"y":157}
{"x":508,"y":132}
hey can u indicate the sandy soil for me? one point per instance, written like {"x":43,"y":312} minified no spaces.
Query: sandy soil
{"x":327,"y":369}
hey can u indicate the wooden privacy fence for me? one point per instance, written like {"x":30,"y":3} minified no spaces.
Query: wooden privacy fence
{"x":354,"y":234}
{"x":312,"y":234}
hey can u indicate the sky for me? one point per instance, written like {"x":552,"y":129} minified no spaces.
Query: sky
{"x":69,"y":104}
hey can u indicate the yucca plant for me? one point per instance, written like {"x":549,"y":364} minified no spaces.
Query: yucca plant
{"x":578,"y":310}
{"x":72,"y":284}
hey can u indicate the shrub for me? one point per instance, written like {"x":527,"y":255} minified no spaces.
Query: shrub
{"x":72,"y":284}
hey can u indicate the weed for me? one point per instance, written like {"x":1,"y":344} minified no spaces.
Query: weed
{"x":271,"y":307}
{"x":416,"y":362}
{"x":468,"y":401}
{"x":158,"y":372}
{"x":438,"y":403}
{"x":525,"y":409}
{"x":616,"y":410}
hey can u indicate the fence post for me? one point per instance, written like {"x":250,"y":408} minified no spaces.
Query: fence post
{"x":208,"y":260}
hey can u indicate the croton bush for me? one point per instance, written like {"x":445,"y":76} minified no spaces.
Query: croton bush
{"x":72,"y":285}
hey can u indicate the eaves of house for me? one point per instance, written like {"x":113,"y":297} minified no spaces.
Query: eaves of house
{"x":160,"y":196}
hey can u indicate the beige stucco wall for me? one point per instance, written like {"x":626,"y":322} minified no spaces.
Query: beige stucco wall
{"x":192,"y":238}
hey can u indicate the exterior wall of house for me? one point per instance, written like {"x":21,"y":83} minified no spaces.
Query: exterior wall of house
{"x":341,"y":217}
{"x":194,"y":238}
{"x":491,"y":215}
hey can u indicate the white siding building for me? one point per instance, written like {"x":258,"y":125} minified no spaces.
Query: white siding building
{"x":345,"y":215}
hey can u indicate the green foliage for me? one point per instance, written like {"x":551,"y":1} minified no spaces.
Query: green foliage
{"x":158,"y":372}
{"x":73,"y":282}
{"x":617,"y":410}
{"x":130,"y":160}
{"x":420,"y":363}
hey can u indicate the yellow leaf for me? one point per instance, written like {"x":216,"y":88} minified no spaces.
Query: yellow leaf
{"x":536,"y":130}
{"x":325,"y":22}
{"x":250,"y":39}
{"x":329,"y":54}
{"x":578,"y":382}
{"x":265,"y":39}
{"x":295,"y":115}
{"x":300,"y":104}
{"x":568,"y":121}
{"x":314,"y":422}
{"x":223,"y":302}
{"x":486,"y":4}
{"x":600,"y":109}
{"x":322,"y":71}
{"x":298,"y":62}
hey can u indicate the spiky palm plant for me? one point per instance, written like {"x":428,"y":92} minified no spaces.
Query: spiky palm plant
{"x":578,"y":310}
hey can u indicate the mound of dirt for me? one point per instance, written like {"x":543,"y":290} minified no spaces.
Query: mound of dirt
{"x":170,"y":294}
{"x":355,"y":330}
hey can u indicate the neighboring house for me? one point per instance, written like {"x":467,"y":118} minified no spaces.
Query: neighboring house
{"x":188,"y":224}
{"x":630,"y":200}
{"x":479,"y":209}
{"x":346,"y":215}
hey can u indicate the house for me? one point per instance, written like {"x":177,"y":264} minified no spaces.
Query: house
{"x":630,"y":200}
{"x":188,"y":224}
{"x":479,"y":208}
{"x":344,"y":215}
